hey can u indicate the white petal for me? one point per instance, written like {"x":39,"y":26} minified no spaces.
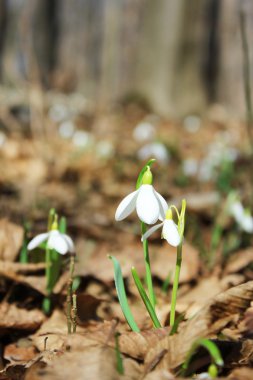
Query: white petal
{"x":126,"y":206}
{"x":147,"y":205}
{"x":151,"y":230}
{"x":163,"y":206}
{"x":37,"y":240}
{"x":71,"y":247}
{"x":170,"y":233}
{"x":57,"y":241}
{"x":247,"y":224}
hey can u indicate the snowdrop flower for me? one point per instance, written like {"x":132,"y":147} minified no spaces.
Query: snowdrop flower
{"x":62,"y":243}
{"x":155,"y":149}
{"x":144,"y":131}
{"x":242,"y":216}
{"x":169,"y":230}
{"x":150,"y":205}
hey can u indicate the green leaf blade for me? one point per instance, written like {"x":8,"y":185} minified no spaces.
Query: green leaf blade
{"x":140,"y":176}
{"x":120,"y":288}
{"x":145,"y":299}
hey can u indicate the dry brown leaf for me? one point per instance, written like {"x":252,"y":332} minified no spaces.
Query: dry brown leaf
{"x":92,"y":363}
{"x":11,"y":238}
{"x":162,"y":257}
{"x":239,"y":260}
{"x":160,"y":374}
{"x":137,"y":345}
{"x":210,"y":320}
{"x":12,"y":317}
{"x":16,"y":352}
{"x":243,"y":373}
{"x":11,"y":270}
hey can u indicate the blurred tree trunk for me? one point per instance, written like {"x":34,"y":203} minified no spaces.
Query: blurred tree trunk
{"x":171,"y":55}
{"x":230,"y":90}
{"x":181,"y":55}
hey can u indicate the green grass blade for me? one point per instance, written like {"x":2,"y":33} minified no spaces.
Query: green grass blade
{"x":63,"y":225}
{"x":119,"y":360}
{"x":209,"y":346}
{"x":139,"y":179}
{"x":120,"y":288}
{"x":145,"y":299}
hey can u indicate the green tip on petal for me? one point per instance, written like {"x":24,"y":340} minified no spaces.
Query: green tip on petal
{"x":169,"y":215}
{"x":54,"y":225}
{"x":147,"y":178}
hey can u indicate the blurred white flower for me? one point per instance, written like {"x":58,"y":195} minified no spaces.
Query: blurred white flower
{"x":2,"y":138}
{"x":66,"y":129}
{"x":242,"y":216}
{"x":105,"y":149}
{"x":192,"y":123}
{"x":58,"y":112}
{"x":82,"y":139}
{"x":190,"y":167}
{"x":62,"y":243}
{"x":156,"y":150}
{"x":144,"y":131}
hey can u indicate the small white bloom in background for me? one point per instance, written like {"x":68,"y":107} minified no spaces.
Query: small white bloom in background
{"x":192,"y":123}
{"x":150,"y":205}
{"x":105,"y":149}
{"x":82,"y":139}
{"x":67,"y":129}
{"x":58,"y":112}
{"x":169,"y":230}
{"x":62,"y":243}
{"x":144,"y":131}
{"x":2,"y":138}
{"x":190,"y":167}
{"x":242,"y":216}
{"x":156,"y":150}
{"x":206,"y":168}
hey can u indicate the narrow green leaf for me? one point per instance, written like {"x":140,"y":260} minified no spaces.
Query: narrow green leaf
{"x":166,"y":283}
{"x":120,"y":288}
{"x":145,"y":299}
{"x":63,"y":225}
{"x":176,"y":324}
{"x":119,"y":360}
{"x":139,"y":179}
{"x":210,"y":347}
{"x":51,"y":216}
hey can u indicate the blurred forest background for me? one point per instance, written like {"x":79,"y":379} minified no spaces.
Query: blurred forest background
{"x":179,"y":56}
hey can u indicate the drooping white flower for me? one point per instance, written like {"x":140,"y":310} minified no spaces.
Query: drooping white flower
{"x":242,"y":216}
{"x":169,"y":230}
{"x":150,"y":205}
{"x":62,"y":243}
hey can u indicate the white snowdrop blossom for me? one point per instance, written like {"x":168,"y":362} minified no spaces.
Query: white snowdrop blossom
{"x":169,"y":230}
{"x":242,"y":216}
{"x":150,"y":205}
{"x":62,"y":243}
{"x":156,"y":150}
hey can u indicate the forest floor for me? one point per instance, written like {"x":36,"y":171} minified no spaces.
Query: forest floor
{"x":83,"y":166}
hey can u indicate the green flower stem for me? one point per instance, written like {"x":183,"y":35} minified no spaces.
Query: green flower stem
{"x":69,"y":294}
{"x":47,"y":300}
{"x":148,"y":267}
{"x":145,"y":299}
{"x":175,"y":285}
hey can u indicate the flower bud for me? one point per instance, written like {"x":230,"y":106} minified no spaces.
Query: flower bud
{"x":147,"y":178}
{"x":213,"y":371}
{"x":54,"y":225}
